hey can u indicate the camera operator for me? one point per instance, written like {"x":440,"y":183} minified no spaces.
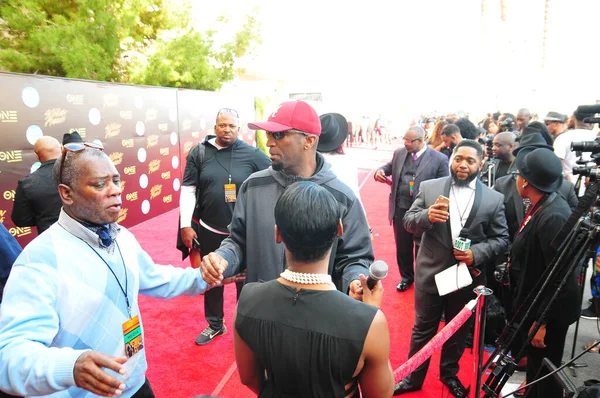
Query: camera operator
{"x":562,"y":143}
{"x":502,"y":146}
{"x":538,"y":179}
{"x":506,"y":122}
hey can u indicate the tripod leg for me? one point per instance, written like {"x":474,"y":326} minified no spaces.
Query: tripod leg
{"x":582,"y":281}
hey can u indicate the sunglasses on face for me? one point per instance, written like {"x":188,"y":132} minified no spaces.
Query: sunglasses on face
{"x":75,"y":147}
{"x":280,"y":134}
{"x":409,"y":140}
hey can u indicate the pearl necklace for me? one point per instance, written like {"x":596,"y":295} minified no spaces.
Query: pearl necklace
{"x":306,"y":279}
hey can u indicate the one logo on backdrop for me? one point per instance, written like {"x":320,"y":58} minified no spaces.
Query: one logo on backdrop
{"x":129,"y":170}
{"x":152,"y":140}
{"x":187,"y":146}
{"x":155,"y":191}
{"x":112,"y":130}
{"x":11,"y":156}
{"x":151,"y":114}
{"x":9,"y":195}
{"x":132,"y":196}
{"x":128,"y":143}
{"x":55,"y":116}
{"x":187,"y":124}
{"x":164,"y":151}
{"x":163,"y":126}
{"x":20,"y":231}
{"x":168,"y":198}
{"x":116,"y":157}
{"x":122,"y":215}
{"x":111,"y":100}
{"x":9,"y":117}
{"x":166,"y":175}
{"x":195,"y":134}
{"x":153,"y":166}
{"x":127,"y":115}
{"x":75,"y":99}
{"x":123,"y":185}
{"x":80,"y":130}
{"x":2,"y":215}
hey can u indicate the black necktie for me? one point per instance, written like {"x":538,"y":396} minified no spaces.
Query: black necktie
{"x":104,"y":235}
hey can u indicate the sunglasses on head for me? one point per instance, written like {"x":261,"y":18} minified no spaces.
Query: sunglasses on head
{"x":228,"y":110}
{"x":75,"y":147}
{"x":280,"y":134}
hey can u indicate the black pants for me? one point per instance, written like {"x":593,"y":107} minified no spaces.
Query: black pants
{"x":145,"y":391}
{"x":556,"y":334}
{"x":213,"y":298}
{"x":405,"y":247}
{"x":428,"y":311}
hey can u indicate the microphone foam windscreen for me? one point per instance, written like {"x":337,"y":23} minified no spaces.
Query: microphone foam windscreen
{"x":378,"y":270}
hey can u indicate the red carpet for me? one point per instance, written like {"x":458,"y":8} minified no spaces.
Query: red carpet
{"x":178,"y":368}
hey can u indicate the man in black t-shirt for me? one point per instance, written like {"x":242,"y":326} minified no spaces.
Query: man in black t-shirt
{"x":214,"y":171}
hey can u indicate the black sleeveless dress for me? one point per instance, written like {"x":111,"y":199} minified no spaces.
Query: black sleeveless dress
{"x":308,"y":341}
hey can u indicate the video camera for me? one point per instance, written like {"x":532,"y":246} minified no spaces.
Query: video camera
{"x":487,"y":141}
{"x":507,"y":124}
{"x":586,"y":146}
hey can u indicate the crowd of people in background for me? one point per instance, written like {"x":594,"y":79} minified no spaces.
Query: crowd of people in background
{"x":292,"y":227}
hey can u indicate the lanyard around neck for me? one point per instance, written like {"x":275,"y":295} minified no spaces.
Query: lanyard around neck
{"x":124,"y":290}
{"x":462,"y":216}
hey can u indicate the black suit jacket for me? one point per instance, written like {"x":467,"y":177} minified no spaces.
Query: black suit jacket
{"x":433,"y":164}
{"x":37,"y":202}
{"x":513,"y":203}
{"x":485,"y":227}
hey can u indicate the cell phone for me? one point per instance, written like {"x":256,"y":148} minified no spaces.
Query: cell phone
{"x":443,"y":199}
{"x":195,"y":244}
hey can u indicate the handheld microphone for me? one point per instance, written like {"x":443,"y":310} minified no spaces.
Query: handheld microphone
{"x":377,"y":271}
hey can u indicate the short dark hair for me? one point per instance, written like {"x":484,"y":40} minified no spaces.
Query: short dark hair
{"x":467,"y":129}
{"x":72,"y":170}
{"x":307,"y":216}
{"x":450,"y":130}
{"x":472,"y":144}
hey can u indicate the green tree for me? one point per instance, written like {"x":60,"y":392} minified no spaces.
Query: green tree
{"x":131,"y":41}
{"x":192,"y":60}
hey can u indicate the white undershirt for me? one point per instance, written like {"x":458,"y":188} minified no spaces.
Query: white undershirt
{"x":461,"y":203}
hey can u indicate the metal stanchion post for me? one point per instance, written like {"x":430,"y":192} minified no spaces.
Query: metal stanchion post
{"x":478,"y":335}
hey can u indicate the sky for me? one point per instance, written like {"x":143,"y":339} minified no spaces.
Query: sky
{"x":429,"y":56}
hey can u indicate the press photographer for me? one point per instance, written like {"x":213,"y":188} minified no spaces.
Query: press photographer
{"x":502,"y":158}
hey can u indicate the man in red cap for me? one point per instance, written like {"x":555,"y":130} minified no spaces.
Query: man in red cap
{"x":293,"y":131}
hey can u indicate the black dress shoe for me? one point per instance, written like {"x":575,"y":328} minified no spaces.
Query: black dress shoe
{"x":403,"y":386}
{"x":456,"y":388}
{"x":403,"y":285}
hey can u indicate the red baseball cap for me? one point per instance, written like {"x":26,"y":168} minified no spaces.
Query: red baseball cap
{"x":296,"y":115}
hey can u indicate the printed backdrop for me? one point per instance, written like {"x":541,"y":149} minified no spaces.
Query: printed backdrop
{"x":146,"y":131}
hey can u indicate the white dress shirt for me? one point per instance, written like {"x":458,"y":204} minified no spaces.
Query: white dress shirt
{"x":461,"y":203}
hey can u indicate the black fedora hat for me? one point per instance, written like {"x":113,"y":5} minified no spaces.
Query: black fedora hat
{"x":542,"y":169}
{"x":533,"y":139}
{"x":71,"y":137}
{"x":334,"y":130}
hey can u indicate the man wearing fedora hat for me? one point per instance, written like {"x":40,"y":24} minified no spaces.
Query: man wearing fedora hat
{"x":293,"y":132}
{"x":515,"y":207}
{"x":556,"y":123}
{"x":334,"y":130}
{"x":410,"y":166}
{"x":539,"y":176}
